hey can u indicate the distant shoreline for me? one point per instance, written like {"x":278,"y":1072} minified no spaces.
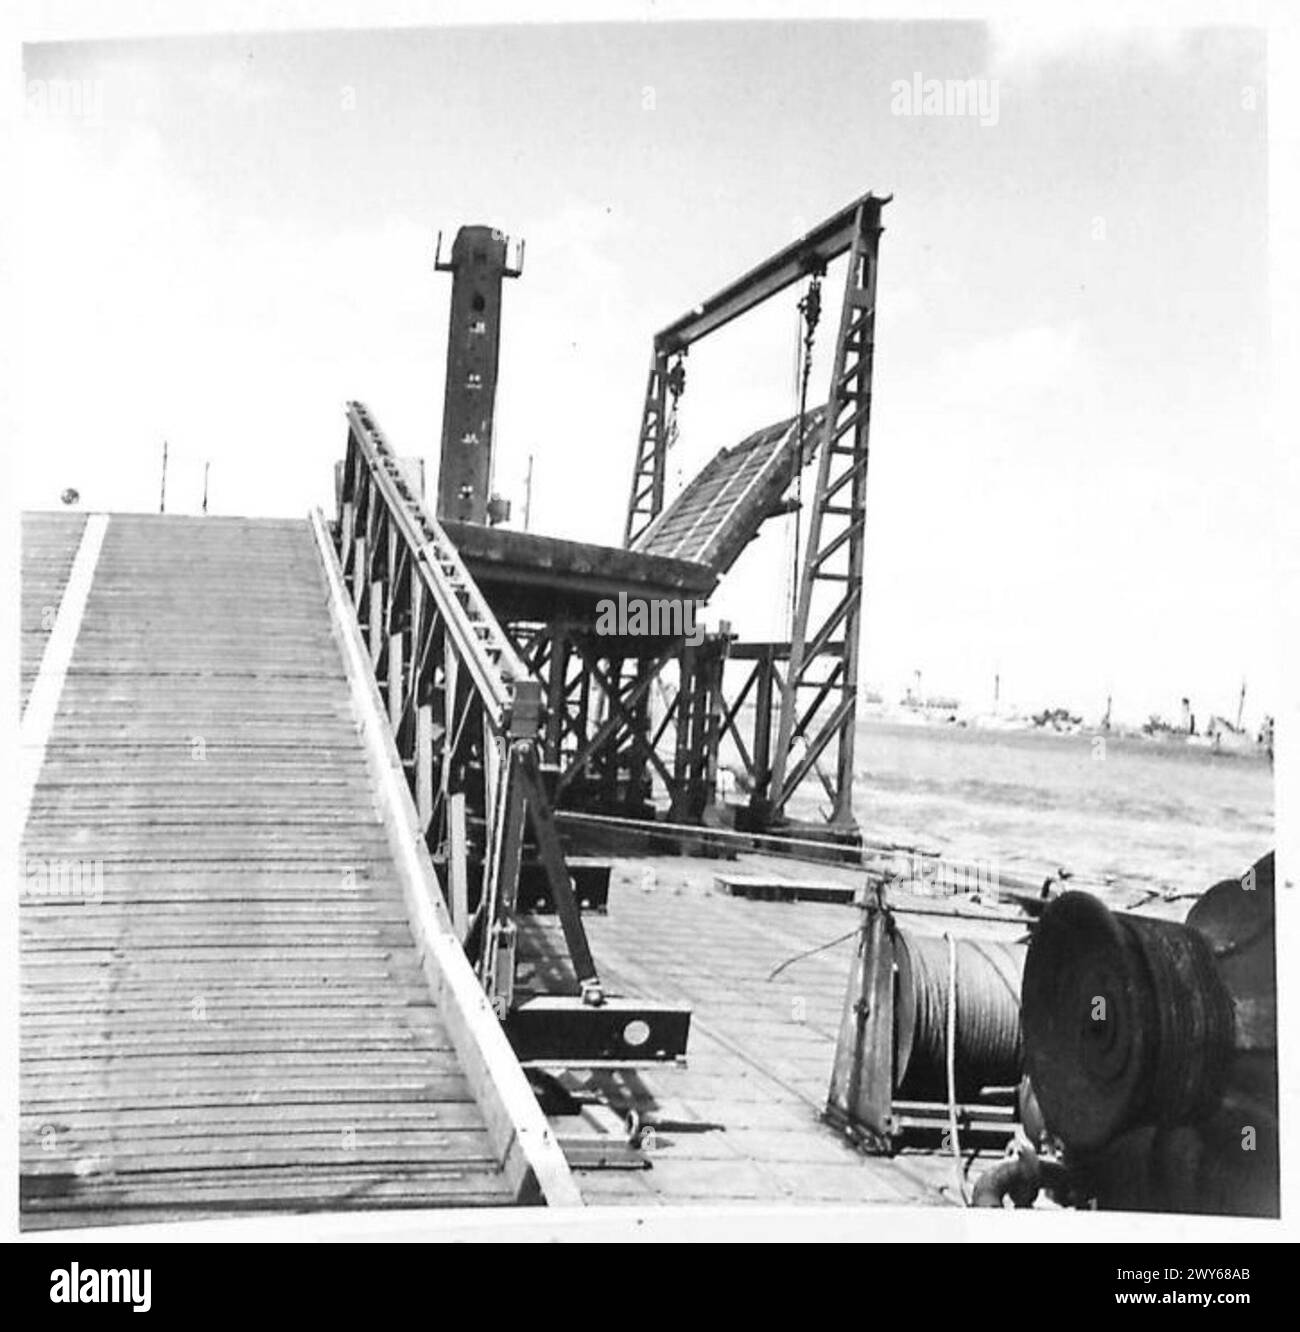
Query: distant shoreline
{"x":1125,"y":737}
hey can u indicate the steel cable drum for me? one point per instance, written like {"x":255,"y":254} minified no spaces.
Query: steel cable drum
{"x":1126,"y":1021}
{"x":988,"y":1042}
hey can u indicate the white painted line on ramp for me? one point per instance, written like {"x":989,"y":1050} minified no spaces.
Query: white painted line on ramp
{"x":43,"y":702}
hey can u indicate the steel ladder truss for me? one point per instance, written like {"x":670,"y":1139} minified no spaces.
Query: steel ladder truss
{"x":467,"y":720}
{"x":830,"y":578}
{"x":647,"y":497}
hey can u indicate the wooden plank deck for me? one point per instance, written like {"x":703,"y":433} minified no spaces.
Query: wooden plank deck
{"x":223,"y":1010}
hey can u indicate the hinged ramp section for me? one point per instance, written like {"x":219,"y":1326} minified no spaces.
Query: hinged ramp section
{"x":722,"y":508}
{"x":223,"y":1008}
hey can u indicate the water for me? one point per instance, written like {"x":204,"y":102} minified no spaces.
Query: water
{"x":1163,"y":815}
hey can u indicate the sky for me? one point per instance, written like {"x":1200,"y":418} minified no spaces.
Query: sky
{"x":224,"y":239}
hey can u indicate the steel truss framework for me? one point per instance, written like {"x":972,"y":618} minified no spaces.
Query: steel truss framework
{"x":466,"y":718}
{"x":815,"y":696}
{"x":613,"y":731}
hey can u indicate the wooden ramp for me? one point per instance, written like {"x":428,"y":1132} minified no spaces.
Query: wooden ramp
{"x":722,"y":508}
{"x":223,"y":1008}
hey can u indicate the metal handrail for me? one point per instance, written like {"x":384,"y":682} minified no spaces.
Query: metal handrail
{"x":493,"y":665}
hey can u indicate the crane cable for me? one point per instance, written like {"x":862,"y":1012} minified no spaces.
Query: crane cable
{"x":810,"y":310}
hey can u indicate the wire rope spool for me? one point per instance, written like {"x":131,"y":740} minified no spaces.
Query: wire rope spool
{"x":1126,"y":1021}
{"x":988,"y":1047}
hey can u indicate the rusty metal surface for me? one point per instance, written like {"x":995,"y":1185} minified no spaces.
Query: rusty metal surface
{"x":237,"y":1019}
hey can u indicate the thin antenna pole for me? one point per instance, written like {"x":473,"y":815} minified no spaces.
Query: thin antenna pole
{"x":528,"y":494}
{"x":206,"y":465}
{"x":162,"y":498}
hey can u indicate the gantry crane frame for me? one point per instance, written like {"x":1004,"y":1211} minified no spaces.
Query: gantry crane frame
{"x":823,"y":654}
